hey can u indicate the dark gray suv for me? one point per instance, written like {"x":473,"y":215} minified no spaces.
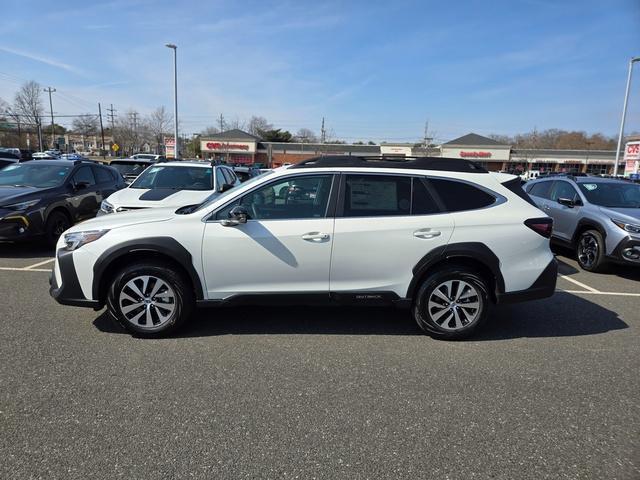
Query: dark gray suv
{"x":598,"y":217}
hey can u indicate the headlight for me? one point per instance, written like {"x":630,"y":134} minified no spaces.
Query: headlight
{"x":106,"y":207}
{"x":75,"y":240}
{"x":22,"y":205}
{"x":627,"y":227}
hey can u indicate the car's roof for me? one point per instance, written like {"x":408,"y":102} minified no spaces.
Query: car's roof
{"x":58,"y":163}
{"x":133,"y":160}
{"x":579,"y":179}
{"x":186,"y":163}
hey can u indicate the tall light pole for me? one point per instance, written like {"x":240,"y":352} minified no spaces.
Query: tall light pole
{"x":624,"y":113}
{"x":175,"y":96}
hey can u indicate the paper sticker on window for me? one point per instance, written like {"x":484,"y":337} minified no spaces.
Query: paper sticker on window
{"x":373,"y":195}
{"x":590,"y":186}
{"x":155,"y":169}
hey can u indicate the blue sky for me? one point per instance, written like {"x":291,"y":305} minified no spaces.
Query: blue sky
{"x":374,"y":70}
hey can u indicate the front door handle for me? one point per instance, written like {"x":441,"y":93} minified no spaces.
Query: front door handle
{"x":315,"y":236}
{"x":426,"y":233}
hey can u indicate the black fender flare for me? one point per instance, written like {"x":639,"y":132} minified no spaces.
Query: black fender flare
{"x":475,"y":251}
{"x":167,"y":246}
{"x":588,"y":222}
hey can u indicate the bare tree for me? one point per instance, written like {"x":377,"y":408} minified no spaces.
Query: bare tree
{"x":85,"y":125}
{"x":257,"y":125}
{"x":28,"y":103}
{"x":304,"y":135}
{"x":210,"y":131}
{"x":27,"y":106}
{"x":157,"y":125}
{"x":236,"y":123}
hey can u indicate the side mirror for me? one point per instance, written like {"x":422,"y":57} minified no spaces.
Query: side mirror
{"x":567,"y":202}
{"x":237,"y":215}
{"x":224,"y":187}
{"x":80,"y":185}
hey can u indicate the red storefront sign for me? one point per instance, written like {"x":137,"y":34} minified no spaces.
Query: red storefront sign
{"x":226,"y":146}
{"x":475,"y":154}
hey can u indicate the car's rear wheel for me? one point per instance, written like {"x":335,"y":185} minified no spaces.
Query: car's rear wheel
{"x":56,"y":224}
{"x":590,"y":251}
{"x":451,"y":303}
{"x":150,"y":299}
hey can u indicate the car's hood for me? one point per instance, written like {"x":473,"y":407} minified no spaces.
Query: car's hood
{"x":9,"y":195}
{"x":157,"y":197}
{"x":125,"y":219}
{"x":630,"y":215}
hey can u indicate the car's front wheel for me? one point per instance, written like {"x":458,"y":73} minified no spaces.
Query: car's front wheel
{"x":451,"y":303}
{"x":150,"y":299}
{"x":590,"y":251}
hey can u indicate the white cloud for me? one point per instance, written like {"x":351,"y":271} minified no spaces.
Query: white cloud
{"x":42,"y":59}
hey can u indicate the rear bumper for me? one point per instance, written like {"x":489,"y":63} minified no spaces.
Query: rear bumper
{"x":543,"y":287}
{"x":69,"y":293}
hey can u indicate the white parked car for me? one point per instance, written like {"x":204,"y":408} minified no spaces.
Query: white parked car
{"x":443,"y":237}
{"x":171,"y":184}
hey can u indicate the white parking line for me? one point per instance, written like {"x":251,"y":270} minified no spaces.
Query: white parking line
{"x":15,"y":269}
{"x":580,"y":284}
{"x":39,"y":263}
{"x":620,"y":294}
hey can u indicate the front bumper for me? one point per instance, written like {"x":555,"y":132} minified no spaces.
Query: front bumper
{"x":627,"y":251}
{"x":20,"y":225}
{"x":543,"y":287}
{"x":69,"y":293}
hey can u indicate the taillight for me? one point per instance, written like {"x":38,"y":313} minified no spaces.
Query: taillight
{"x":543,"y":226}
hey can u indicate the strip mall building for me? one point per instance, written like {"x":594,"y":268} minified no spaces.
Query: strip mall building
{"x":238,"y":147}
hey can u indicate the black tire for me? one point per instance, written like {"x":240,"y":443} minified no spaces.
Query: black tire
{"x":590,"y":251}
{"x":166,"y":316}
{"x":450,"y":319}
{"x":57,"y":223}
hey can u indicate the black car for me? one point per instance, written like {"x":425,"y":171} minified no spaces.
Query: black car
{"x":42,"y":198}
{"x":131,"y":167}
{"x":7,"y":158}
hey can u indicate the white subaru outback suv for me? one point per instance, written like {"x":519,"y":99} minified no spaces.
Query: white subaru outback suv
{"x":443,"y":237}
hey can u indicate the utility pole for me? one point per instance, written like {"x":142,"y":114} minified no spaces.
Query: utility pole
{"x":101,"y":130}
{"x":53,"y":133}
{"x":134,"y":117}
{"x":221,"y":122}
{"x":111,"y":117}
{"x":39,"y":124}
{"x":323,"y":133}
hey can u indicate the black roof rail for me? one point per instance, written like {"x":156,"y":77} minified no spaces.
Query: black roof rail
{"x":418,"y":163}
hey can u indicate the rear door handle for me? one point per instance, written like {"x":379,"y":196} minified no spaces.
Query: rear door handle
{"x":315,"y":236}
{"x":426,"y":233}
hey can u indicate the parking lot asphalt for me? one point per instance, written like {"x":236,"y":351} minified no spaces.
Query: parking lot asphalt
{"x":550,"y":389}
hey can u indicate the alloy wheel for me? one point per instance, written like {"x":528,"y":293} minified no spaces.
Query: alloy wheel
{"x":587,"y":250}
{"x":454,"y":305}
{"x":147,"y":302}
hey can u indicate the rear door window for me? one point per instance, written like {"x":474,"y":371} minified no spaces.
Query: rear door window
{"x":422,"y":202}
{"x":377,"y":195}
{"x":103,"y":175}
{"x":541,"y":190}
{"x":459,"y":196}
{"x":85,"y":175}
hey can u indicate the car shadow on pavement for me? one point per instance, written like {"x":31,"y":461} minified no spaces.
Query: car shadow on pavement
{"x":628,"y":272}
{"x":25,"y":250}
{"x":560,"y":316}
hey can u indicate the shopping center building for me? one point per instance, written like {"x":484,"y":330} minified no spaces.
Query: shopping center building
{"x":238,"y":147}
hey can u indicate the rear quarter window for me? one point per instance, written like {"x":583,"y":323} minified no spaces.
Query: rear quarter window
{"x":459,"y":196}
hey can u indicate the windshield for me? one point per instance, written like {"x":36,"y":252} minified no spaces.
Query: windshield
{"x":176,"y":178}
{"x":33,"y":175}
{"x":217,"y":196}
{"x":129,"y":168}
{"x":612,"y":195}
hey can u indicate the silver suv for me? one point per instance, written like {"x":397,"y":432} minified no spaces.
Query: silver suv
{"x":598,"y":217}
